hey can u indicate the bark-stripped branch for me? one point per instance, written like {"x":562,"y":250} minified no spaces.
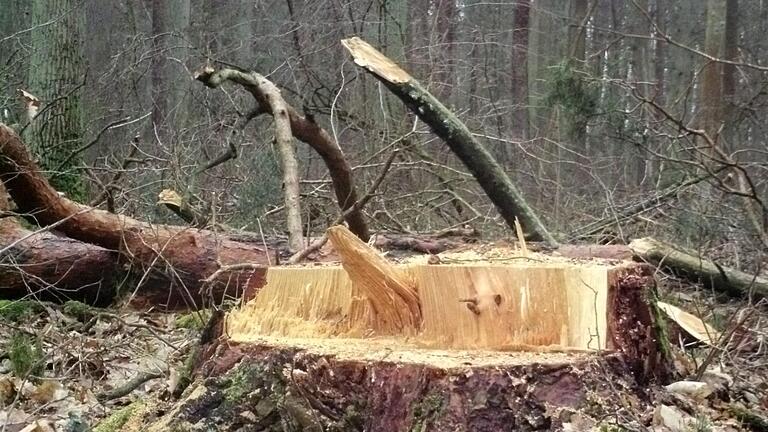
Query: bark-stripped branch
{"x":306,"y":131}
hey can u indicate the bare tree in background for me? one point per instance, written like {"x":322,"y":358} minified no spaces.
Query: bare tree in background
{"x":57,"y":76}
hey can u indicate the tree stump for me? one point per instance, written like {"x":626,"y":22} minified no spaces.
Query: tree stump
{"x":469,"y":343}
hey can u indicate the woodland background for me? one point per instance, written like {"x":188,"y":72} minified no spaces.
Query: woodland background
{"x":618,"y":119}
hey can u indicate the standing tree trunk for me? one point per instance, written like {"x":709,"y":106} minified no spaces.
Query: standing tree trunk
{"x":711,"y":96}
{"x":660,"y":52}
{"x":56,"y":76}
{"x":639,"y":76}
{"x":545,"y":50}
{"x":13,"y":63}
{"x":519,"y":68}
{"x":170,"y":24}
{"x":444,"y":35}
{"x":731,"y":52}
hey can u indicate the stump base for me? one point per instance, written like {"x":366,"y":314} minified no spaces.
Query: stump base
{"x":366,"y":386}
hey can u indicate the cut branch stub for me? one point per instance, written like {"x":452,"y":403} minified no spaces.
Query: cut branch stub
{"x":388,"y":292}
{"x":504,"y":194}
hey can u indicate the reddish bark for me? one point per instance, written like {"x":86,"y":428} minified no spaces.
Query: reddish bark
{"x":632,"y":327}
{"x":173,"y":260}
{"x":328,"y":391}
{"x":45,"y":266}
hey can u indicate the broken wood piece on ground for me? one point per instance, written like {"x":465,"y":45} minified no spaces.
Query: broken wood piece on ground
{"x":690,"y":324}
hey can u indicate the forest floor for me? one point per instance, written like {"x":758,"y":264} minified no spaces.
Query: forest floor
{"x":70,"y":367}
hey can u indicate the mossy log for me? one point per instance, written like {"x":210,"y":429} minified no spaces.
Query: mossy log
{"x":693,"y":266}
{"x":504,"y":194}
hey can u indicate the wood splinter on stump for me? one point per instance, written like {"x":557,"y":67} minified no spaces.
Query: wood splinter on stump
{"x":389,"y":293}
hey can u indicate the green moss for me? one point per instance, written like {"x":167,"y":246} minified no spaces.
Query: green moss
{"x":15,"y":310}
{"x":606,"y":427}
{"x":26,"y":355}
{"x":185,"y":374}
{"x":570,"y":90}
{"x":700,"y":424}
{"x":240,"y":382}
{"x":78,"y":310}
{"x":749,"y":418}
{"x":426,"y":411}
{"x":659,"y":324}
{"x":193,"y":320}
{"x":353,"y":418}
{"x":119,"y":418}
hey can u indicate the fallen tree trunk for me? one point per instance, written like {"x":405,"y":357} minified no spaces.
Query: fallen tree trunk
{"x":504,"y":343}
{"x":171,"y":262}
{"x":507,"y":198}
{"x":693,"y":266}
{"x":617,"y":218}
{"x":44,"y":266}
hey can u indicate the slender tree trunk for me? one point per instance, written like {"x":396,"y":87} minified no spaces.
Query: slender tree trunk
{"x":711,"y":90}
{"x":13,"y":62}
{"x":545,"y":49}
{"x":577,"y":37}
{"x":291,"y":190}
{"x":577,"y":34}
{"x":519,"y":68}
{"x":170,"y":24}
{"x":443,"y":47}
{"x":731,"y":52}
{"x":660,"y":51}
{"x":56,"y":77}
{"x":639,"y":77}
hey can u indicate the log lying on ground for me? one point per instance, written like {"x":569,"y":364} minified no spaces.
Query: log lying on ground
{"x":171,"y":262}
{"x":693,"y":266}
{"x":490,"y":175}
{"x":489,"y":342}
{"x":44,"y":266}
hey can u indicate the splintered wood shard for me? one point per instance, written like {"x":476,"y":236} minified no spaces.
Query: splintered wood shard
{"x":387,"y":296}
